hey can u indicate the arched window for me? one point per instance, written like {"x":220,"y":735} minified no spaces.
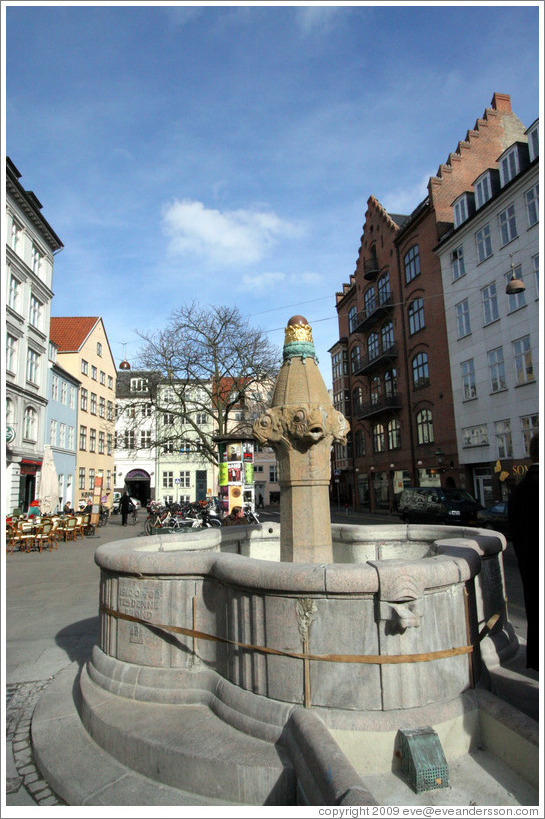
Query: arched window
{"x":30,"y":424}
{"x":411,"y":261}
{"x":360,"y":443}
{"x":421,"y":374}
{"x":352,"y":318}
{"x":394,"y":434}
{"x":370,"y":301}
{"x":378,"y":438}
{"x":383,"y":285}
{"x":415,"y":313}
{"x":424,"y":427}
{"x":387,"y":336}
{"x":375,"y":390}
{"x":355,"y":358}
{"x":372,"y":345}
{"x":390,"y":383}
{"x":357,"y":400}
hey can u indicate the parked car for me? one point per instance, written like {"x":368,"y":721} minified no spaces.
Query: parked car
{"x":433,"y":504}
{"x":117,"y":498}
{"x":494,"y":517}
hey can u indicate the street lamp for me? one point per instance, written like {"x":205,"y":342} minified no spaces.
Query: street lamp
{"x":514,"y":285}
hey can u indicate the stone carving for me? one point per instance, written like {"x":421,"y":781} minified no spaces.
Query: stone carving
{"x":306,"y":609}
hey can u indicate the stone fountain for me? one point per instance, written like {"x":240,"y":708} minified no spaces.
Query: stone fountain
{"x":279,"y":665}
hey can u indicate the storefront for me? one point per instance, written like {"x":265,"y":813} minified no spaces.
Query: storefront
{"x":28,"y":475}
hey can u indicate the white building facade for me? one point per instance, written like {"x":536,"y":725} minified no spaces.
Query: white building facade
{"x":30,"y":247}
{"x":494,"y":337}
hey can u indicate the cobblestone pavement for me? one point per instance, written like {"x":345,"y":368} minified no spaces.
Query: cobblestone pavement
{"x":21,"y":699}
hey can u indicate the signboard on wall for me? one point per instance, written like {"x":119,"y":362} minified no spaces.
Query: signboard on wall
{"x":97,"y":494}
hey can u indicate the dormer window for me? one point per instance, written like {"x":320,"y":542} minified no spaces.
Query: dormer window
{"x":483,"y":190}
{"x":509,"y":166}
{"x":533,"y":140}
{"x":139,"y":384}
{"x":462,"y":208}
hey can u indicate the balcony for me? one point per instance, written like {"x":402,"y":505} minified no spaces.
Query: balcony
{"x":383,"y":354}
{"x":370,"y":269}
{"x":382,"y":404}
{"x":367,"y":317}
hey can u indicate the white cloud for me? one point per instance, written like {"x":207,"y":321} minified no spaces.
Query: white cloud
{"x":260,"y":283}
{"x":229,"y":237}
{"x":405,"y":200}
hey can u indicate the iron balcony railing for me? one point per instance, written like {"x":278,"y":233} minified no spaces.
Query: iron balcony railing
{"x":369,"y":362}
{"x":370,"y":315}
{"x":384,"y":403}
{"x":370,"y":269}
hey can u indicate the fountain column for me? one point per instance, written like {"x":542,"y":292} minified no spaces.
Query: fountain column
{"x":301,"y":426}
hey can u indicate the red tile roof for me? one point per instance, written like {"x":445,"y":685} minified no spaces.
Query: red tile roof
{"x":69,"y":332}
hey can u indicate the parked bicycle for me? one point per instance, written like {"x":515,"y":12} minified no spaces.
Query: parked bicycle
{"x":104,"y":515}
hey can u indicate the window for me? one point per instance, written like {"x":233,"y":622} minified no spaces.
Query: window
{"x":93,"y":403}
{"x":102,"y":407}
{"x":483,"y":190}
{"x":52,"y":352}
{"x":360,"y":443}
{"x":484,"y":243}
{"x":509,"y":166}
{"x":33,"y":367}
{"x":101,"y":443}
{"x":352,"y":318}
{"x":91,"y":479}
{"x":457,"y":262}
{"x":128,"y":439}
{"x":357,"y":400}
{"x":108,"y":479}
{"x":109,"y":411}
{"x":145,"y":439}
{"x":94,"y":372}
{"x":496,"y":368}
{"x":522,"y":355}
{"x":532,"y":205}
{"x":35,"y":313}
{"x":504,"y":441}
{"x":83,"y":437}
{"x":185,"y":478}
{"x":72,"y":397}
{"x":102,"y":378}
{"x":110,"y":382}
{"x":53,"y":433}
{"x":62,"y":435}
{"x":475,"y":436}
{"x":421,"y":375}
{"x":30,"y":424}
{"x":14,"y":293}
{"x":416,"y":315}
{"x":139,"y":385}
{"x":168,"y":480}
{"x":37,"y":260}
{"x":84,"y":366}
{"x":373,"y":348}
{"x":273,"y":473}
{"x":81,"y":478}
{"x":387,"y":336}
{"x":515,"y":300}
{"x":99,"y":348}
{"x":11,"y":353}
{"x":83,"y":394}
{"x":168,"y":448}
{"x":535,"y":267}
{"x":529,"y":425}
{"x":390,"y":383}
{"x":355,"y":358}
{"x":71,"y":438}
{"x":394,"y":434}
{"x":369,"y":301}
{"x":16,"y":236}
{"x":92,"y":440}
{"x":374,"y":390}
{"x":201,"y":419}
{"x":339,"y":364}
{"x":168,"y":419}
{"x":490,"y":303}
{"x":533,"y":142}
{"x":462,"y":317}
{"x":424,"y":427}
{"x":412,"y":264}
{"x":508,"y":225}
{"x":378,"y":438}
{"x":468,"y":379}
{"x":63,"y":392}
{"x":109,"y":443}
{"x":383,"y":285}
{"x":460,"y":210}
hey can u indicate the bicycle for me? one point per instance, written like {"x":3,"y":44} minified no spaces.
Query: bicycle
{"x":104,"y":515}
{"x":133,"y":516}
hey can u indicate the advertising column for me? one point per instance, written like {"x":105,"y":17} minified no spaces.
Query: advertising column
{"x":236,"y":473}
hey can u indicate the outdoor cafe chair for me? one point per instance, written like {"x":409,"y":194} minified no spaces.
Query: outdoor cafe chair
{"x":25,"y":534}
{"x":12,"y":537}
{"x":44,"y":536}
{"x":69,"y":528}
{"x":80,"y":526}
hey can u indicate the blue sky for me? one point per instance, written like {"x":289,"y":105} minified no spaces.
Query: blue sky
{"x":226,"y":153}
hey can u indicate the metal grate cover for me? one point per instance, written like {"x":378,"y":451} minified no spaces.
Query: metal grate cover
{"x":422,"y":759}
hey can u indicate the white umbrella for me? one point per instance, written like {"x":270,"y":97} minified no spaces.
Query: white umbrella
{"x":49,"y":484}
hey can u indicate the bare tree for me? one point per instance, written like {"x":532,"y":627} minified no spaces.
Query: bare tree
{"x":210,"y":373}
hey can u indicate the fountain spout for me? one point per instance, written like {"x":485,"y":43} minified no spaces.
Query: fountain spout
{"x":301,"y":426}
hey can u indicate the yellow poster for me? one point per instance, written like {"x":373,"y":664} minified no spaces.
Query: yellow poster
{"x":223,"y":474}
{"x":235,"y":497}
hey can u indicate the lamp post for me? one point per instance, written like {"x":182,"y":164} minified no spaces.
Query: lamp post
{"x":514,"y":285}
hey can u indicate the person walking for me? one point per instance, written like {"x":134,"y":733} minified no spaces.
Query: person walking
{"x":125,"y":505}
{"x":523,"y":516}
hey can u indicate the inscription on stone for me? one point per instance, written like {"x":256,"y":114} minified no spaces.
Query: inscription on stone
{"x":138,"y":601}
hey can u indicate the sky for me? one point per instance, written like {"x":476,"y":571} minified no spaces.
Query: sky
{"x":225,"y":153}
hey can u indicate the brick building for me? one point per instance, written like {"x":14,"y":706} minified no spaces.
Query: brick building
{"x":391,"y":374}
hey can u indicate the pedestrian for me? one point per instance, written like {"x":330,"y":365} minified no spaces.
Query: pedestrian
{"x":235,"y":518}
{"x":523,"y":516}
{"x":260,"y":503}
{"x":126,"y":505}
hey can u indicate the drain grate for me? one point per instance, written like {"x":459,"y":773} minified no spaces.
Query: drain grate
{"x":422,"y":759}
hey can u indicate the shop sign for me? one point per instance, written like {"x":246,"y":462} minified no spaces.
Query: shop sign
{"x":10,"y":435}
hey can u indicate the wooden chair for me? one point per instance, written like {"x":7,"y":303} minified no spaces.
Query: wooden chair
{"x":55,"y":531}
{"x":44,"y":535}
{"x":12,"y":537}
{"x":69,"y":529}
{"x":25,"y":534}
{"x":80,"y":526}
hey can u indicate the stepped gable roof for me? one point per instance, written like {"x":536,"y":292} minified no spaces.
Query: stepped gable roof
{"x":394,"y":220}
{"x":69,"y":333}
